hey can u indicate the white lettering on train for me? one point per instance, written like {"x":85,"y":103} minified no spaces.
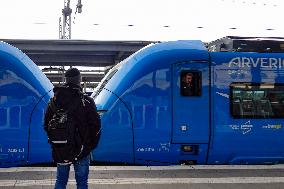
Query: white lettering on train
{"x":272,"y":63}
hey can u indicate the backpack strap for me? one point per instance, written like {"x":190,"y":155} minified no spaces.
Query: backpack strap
{"x":70,"y":109}
{"x":53,"y":106}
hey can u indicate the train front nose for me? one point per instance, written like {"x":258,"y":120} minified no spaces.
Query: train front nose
{"x":116,"y":141}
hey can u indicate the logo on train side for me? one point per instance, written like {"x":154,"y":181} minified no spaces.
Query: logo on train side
{"x":242,"y":62}
{"x":244,"y":128}
{"x":269,"y":126}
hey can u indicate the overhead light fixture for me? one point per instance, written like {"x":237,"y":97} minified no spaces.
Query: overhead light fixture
{"x":39,"y":23}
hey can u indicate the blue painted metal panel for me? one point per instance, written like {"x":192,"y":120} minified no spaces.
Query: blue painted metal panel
{"x":244,"y":141}
{"x":191,"y":113}
{"x":144,"y":83}
{"x":151,"y":58}
{"x":149,"y":99}
{"x":39,"y":148}
{"x":116,"y":142}
{"x":22,"y":86}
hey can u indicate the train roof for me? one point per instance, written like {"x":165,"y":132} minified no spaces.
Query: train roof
{"x":191,"y":48}
{"x":247,"y":44}
{"x":14,"y":61}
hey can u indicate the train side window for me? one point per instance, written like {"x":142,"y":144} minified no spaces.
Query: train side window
{"x":190,"y":83}
{"x":257,"y":100}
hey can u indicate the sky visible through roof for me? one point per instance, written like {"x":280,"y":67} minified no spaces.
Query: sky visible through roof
{"x":152,"y":20}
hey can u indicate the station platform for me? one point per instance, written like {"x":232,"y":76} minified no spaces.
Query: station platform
{"x":156,"y":177}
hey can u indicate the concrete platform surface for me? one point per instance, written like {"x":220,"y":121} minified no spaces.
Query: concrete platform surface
{"x":156,"y":177}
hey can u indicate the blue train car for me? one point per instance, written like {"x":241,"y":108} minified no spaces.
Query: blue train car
{"x":233,"y":115}
{"x":24,"y":94}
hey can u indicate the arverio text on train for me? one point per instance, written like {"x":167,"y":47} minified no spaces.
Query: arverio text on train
{"x":169,"y":103}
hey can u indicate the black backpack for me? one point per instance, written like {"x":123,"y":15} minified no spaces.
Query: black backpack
{"x":63,"y":134}
{"x":95,"y":133}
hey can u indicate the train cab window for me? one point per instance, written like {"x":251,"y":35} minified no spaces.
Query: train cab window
{"x":190,"y":83}
{"x":252,"y":100}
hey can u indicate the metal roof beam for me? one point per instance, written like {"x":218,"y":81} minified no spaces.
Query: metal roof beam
{"x":58,"y":77}
{"x":77,"y":45}
{"x":77,"y":52}
{"x":72,"y":60}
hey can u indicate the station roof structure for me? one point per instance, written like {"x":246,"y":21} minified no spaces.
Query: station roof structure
{"x":50,"y":54}
{"x":77,"y":52}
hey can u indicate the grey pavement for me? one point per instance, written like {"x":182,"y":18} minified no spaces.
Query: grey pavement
{"x":153,"y":177}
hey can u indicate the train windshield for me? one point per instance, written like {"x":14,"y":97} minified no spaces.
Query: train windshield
{"x":104,"y":81}
{"x":108,"y":77}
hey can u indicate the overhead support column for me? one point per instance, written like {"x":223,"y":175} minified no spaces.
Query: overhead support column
{"x":66,"y":26}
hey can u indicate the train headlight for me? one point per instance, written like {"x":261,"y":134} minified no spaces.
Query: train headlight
{"x":187,"y":148}
{"x":101,"y":112}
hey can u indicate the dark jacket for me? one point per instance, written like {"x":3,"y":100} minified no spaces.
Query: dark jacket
{"x":187,"y":90}
{"x":85,"y":114}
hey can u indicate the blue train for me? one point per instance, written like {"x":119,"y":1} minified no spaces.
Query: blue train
{"x":24,"y":94}
{"x":233,"y":113}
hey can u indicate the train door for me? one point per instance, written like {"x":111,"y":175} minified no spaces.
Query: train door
{"x":190,"y":102}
